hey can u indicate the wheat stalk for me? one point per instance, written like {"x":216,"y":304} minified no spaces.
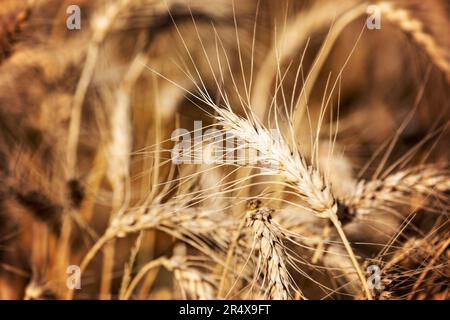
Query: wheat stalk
{"x":101,"y":25}
{"x":289,"y":42}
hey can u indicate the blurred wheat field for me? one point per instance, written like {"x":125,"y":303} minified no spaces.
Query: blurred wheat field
{"x":126,"y":147}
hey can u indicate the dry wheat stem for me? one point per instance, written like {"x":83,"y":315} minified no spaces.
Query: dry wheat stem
{"x":343,"y":21}
{"x":142,"y":272}
{"x":415,"y":259}
{"x":101,"y":25}
{"x":288,"y":43}
{"x":129,"y":266}
{"x":119,"y":150}
{"x":229,"y":258}
{"x":439,"y":251}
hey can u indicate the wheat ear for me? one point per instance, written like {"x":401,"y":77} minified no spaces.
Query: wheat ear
{"x":195,"y":226}
{"x":272,"y":257}
{"x":397,"y":188}
{"x":194,"y":283}
{"x":290,"y":164}
{"x":406,"y":22}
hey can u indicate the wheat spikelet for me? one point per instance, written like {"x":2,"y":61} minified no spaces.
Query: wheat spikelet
{"x":397,"y":188}
{"x":194,"y":283}
{"x":289,"y":42}
{"x":272,"y":257}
